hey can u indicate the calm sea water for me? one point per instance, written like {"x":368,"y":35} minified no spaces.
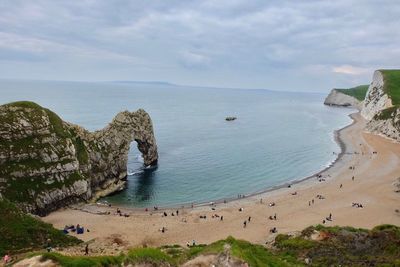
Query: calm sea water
{"x":278,"y":137}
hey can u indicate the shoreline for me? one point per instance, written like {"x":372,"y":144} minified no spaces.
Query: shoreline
{"x":373,"y":186}
{"x":337,"y":138}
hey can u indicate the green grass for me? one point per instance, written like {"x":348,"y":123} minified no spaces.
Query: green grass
{"x":20,"y":232}
{"x":342,"y":246}
{"x":386,"y":114}
{"x":337,"y":229}
{"x":358,"y":92}
{"x":392,"y":84}
{"x":345,"y":246}
{"x":82,"y":261}
{"x":257,"y":255}
{"x":148,"y":255}
{"x":291,"y":243}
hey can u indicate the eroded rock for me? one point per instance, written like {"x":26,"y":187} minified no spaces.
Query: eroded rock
{"x":46,"y":163}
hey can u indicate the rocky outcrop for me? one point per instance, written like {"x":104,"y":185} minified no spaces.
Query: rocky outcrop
{"x":382,"y":116}
{"x":386,"y":123}
{"x":46,"y":163}
{"x":336,"y":98}
{"x":376,"y":99}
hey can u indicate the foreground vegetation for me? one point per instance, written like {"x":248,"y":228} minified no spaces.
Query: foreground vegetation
{"x":20,"y":232}
{"x":392,"y":85}
{"x":317,"y":245}
{"x":314,"y":246}
{"x":358,"y":92}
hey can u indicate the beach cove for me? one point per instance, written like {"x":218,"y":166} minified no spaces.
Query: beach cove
{"x":374,"y":161}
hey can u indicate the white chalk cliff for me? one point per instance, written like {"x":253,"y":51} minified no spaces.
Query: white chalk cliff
{"x":336,"y":98}
{"x":376,"y":99}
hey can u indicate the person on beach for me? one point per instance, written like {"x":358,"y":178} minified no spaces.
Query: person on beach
{"x":177,"y":212}
{"x":244,"y":224}
{"x":6,"y":258}
{"x":341,"y":186}
{"x":87,"y":249}
{"x":48,"y":246}
{"x":312,"y":201}
{"x":309,"y":203}
{"x":249,"y":218}
{"x":352,"y":178}
{"x":222,"y":218}
{"x":275,"y":216}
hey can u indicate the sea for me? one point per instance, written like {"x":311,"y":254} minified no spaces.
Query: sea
{"x":277,"y":138}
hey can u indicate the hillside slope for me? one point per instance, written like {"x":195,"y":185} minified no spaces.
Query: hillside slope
{"x":314,"y":246}
{"x":20,"y":232}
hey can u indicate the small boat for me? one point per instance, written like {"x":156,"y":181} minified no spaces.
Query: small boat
{"x":230,"y":118}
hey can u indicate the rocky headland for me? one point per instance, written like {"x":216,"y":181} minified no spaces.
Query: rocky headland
{"x":379,"y":104}
{"x":47,"y":163}
{"x":338,"y":98}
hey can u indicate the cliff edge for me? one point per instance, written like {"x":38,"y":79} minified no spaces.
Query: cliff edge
{"x":47,"y":163}
{"x":379,"y":102}
{"x":352,"y":97}
{"x":382,"y":104}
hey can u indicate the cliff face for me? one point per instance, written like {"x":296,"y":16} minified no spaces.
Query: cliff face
{"x":376,"y":99}
{"x":386,"y":123}
{"x":381,"y":104}
{"x":383,"y":117}
{"x":46,"y":163}
{"x":336,"y":98}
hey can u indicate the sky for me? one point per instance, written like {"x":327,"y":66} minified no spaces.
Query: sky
{"x":276,"y":44}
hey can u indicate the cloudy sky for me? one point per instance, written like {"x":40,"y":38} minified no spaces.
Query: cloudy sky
{"x":280,"y":45}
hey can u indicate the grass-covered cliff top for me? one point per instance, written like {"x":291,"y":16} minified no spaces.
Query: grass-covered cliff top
{"x":358,"y":92}
{"x":322,"y":246}
{"x":20,"y":232}
{"x":392,"y":84}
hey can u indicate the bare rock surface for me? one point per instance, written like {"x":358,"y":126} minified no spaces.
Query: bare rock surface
{"x":376,"y":98}
{"x":336,"y":98}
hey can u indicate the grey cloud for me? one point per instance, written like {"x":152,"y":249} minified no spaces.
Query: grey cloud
{"x":235,"y":43}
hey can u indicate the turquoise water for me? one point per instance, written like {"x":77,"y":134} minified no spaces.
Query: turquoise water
{"x":278,"y":137}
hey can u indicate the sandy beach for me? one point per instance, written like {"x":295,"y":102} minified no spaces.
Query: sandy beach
{"x":373,"y":187}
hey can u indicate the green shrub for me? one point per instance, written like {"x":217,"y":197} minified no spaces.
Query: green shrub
{"x":152,"y":255}
{"x":357,"y":92}
{"x":83,"y":261}
{"x":21,"y":232}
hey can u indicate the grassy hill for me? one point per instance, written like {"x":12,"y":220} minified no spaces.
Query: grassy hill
{"x":358,"y":92}
{"x":392,"y":88}
{"x":392,"y":84}
{"x":321,"y":246}
{"x":20,"y":232}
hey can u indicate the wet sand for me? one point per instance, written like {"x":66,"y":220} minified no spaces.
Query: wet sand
{"x":373,"y":187}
